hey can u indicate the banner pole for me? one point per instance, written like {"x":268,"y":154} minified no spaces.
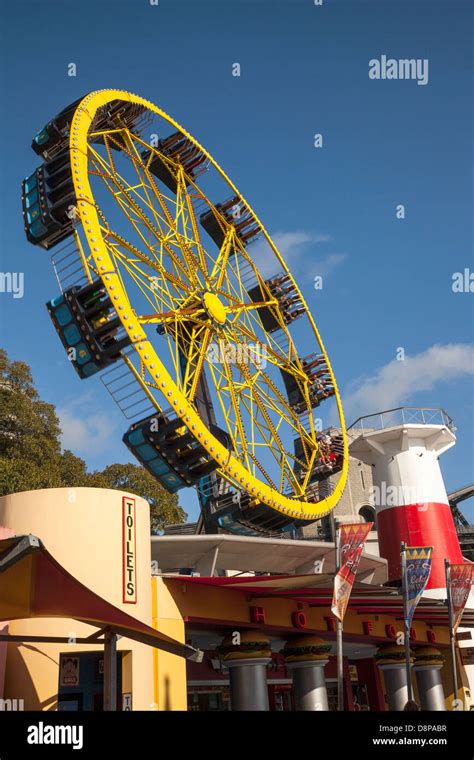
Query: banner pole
{"x":340,"y":661}
{"x":405,"y":619}
{"x":451,"y":631}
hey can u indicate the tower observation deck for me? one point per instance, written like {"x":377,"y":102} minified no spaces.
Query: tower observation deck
{"x":403,"y":447}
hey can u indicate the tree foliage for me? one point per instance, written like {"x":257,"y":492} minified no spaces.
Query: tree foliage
{"x":31,"y":455}
{"x":128,"y":477}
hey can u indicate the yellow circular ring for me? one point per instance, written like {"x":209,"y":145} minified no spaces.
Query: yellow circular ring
{"x":81,"y":123}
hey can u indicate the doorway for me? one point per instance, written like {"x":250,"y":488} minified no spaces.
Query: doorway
{"x":81,"y":681}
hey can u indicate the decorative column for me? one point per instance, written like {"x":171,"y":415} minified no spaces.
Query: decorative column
{"x":428,"y":664}
{"x":305,"y":657}
{"x":391,"y":661}
{"x":247,"y":661}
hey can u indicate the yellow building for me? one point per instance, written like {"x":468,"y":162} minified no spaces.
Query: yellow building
{"x":83,"y":529}
{"x":187,"y":588}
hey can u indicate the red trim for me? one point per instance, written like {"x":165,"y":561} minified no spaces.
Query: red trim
{"x":429,"y":524}
{"x":223,"y":627}
{"x":360,"y":603}
{"x":124,"y":595}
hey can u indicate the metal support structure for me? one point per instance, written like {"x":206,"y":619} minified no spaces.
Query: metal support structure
{"x":110,"y":672}
{"x":340,"y":659}
{"x":187,"y":314}
{"x":48,"y":639}
{"x":452,"y":638}
{"x":405,"y":620}
{"x":110,"y":657}
{"x":208,"y":416}
{"x":23,"y":547}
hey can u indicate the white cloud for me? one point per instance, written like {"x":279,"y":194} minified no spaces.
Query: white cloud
{"x":394,"y":384}
{"x":297,"y":249}
{"x":324,"y":267}
{"x":85,"y":433}
{"x":292,"y":245}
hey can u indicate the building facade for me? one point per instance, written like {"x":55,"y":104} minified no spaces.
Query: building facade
{"x":259,"y":609}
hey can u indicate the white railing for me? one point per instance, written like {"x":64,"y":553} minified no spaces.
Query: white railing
{"x":404,"y":415}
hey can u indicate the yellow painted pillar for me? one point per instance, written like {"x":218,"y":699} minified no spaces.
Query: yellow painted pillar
{"x":463,"y":700}
{"x":169,"y":671}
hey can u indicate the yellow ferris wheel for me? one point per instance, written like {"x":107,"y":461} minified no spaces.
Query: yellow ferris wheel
{"x":168,"y":274}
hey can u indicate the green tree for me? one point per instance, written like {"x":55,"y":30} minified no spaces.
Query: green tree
{"x":30,"y":449}
{"x":31,"y":456}
{"x":164,"y":507}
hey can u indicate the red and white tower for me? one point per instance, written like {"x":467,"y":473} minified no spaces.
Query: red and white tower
{"x":403,"y":447}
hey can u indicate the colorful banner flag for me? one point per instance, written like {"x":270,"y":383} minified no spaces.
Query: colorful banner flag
{"x":351,"y":539}
{"x":462,"y":578}
{"x":418,"y":562}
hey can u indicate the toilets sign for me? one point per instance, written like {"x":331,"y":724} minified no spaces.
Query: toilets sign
{"x":129,"y":551}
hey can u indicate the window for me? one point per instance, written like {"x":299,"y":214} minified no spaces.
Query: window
{"x":367,"y":513}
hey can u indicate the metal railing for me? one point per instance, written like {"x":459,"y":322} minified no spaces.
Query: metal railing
{"x":404,"y":415}
{"x":466,"y":530}
{"x":68,"y":267}
{"x":126,"y":390}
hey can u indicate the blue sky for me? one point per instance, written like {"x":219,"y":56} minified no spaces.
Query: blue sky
{"x":304,"y":70}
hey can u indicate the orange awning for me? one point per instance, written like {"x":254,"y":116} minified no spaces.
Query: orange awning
{"x":34,"y":585}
